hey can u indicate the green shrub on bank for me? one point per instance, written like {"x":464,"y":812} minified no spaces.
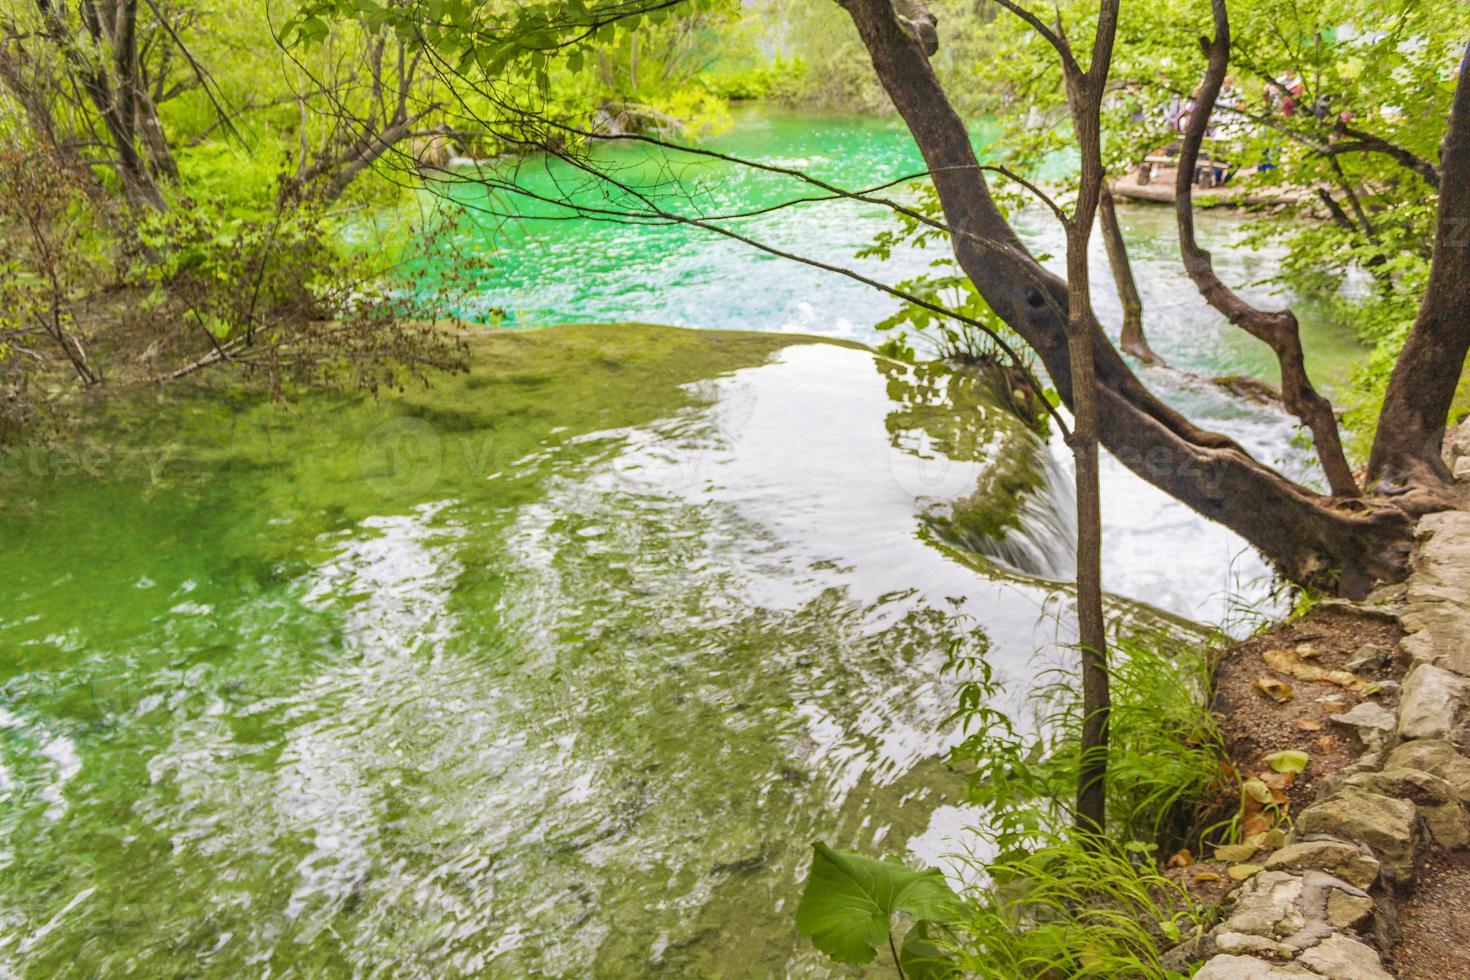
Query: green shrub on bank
{"x":779,"y":79}
{"x":1050,"y":902}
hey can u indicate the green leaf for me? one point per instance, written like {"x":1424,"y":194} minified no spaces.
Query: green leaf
{"x":1256,"y":790}
{"x":921,"y":959}
{"x":850,"y":900}
{"x":1288,"y":760}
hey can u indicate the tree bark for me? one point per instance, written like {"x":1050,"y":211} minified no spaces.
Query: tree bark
{"x":150,"y":130}
{"x":1278,"y":329}
{"x":1084,"y":96}
{"x":1314,"y":539}
{"x":1132,"y":338}
{"x":111,"y":87}
{"x":1406,"y":460}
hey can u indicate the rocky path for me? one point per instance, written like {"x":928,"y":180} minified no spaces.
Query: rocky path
{"x":1374,"y":879}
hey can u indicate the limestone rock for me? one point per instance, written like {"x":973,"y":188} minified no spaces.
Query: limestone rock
{"x":1444,"y":550}
{"x":1370,"y":656}
{"x":1462,"y":468}
{"x":1387,"y":825}
{"x":1445,"y":524}
{"x":1346,"y":911}
{"x":1245,"y":944}
{"x":1459,"y":439}
{"x":1432,"y":702}
{"x":1445,"y":642}
{"x":1437,"y":757}
{"x":1266,"y":905}
{"x":1341,"y":958}
{"x":1350,"y":862}
{"x":1448,"y":825}
{"x":1227,"y":967}
{"x":1368,"y":714}
{"x":1414,"y":785}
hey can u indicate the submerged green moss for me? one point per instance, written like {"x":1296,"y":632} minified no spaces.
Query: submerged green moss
{"x":965,"y":418}
{"x":556,"y":666}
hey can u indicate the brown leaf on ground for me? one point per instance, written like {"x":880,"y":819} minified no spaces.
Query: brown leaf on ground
{"x":1278,"y":691}
{"x":1235,"y":852}
{"x":1254,"y":728}
{"x":1290,"y":662}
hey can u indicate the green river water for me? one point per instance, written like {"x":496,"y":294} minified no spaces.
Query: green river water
{"x":557,"y":668}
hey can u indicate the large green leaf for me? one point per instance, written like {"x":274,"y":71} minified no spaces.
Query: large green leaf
{"x":850,"y":900}
{"x":921,"y":959}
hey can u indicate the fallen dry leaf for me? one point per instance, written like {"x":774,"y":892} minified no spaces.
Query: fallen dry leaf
{"x":1257,"y":824}
{"x":1290,"y":662}
{"x":1240,"y":872}
{"x":1276,"y":780}
{"x":1235,"y":852}
{"x":1256,"y":790}
{"x":1278,"y":691}
{"x":1180,"y":859}
{"x":1204,"y":876}
{"x":1308,"y":725}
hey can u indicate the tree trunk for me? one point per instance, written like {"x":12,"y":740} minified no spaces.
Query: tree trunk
{"x":1313,"y":538}
{"x":155,"y":140}
{"x":1406,"y":460}
{"x":1278,"y":329}
{"x":1132,"y":338}
{"x":1084,"y":97}
{"x":1091,"y":626}
{"x":110,"y":88}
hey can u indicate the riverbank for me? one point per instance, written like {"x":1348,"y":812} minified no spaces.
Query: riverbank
{"x":1351,"y":727}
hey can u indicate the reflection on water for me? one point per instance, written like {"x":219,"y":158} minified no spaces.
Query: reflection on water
{"x":558,"y":668}
{"x":480,"y":684}
{"x":578,"y":271}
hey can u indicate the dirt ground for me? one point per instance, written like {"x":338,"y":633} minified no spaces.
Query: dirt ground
{"x":1435,"y":921}
{"x":1256,"y":724}
{"x":1294,"y":716}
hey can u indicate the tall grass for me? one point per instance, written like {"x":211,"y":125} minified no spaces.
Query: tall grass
{"x":1068,"y":910}
{"x":1166,"y":749}
{"x":1055,"y":905}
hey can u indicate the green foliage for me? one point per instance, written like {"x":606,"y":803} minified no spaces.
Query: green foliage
{"x":1071,"y":910}
{"x":838,"y":70}
{"x":777,"y":79}
{"x":947,"y":287}
{"x":850,"y":901}
{"x":1165,"y":754}
{"x":1052,"y":903}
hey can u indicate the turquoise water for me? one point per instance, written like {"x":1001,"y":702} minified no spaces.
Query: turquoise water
{"x":555,"y":669}
{"x":538,"y":267}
